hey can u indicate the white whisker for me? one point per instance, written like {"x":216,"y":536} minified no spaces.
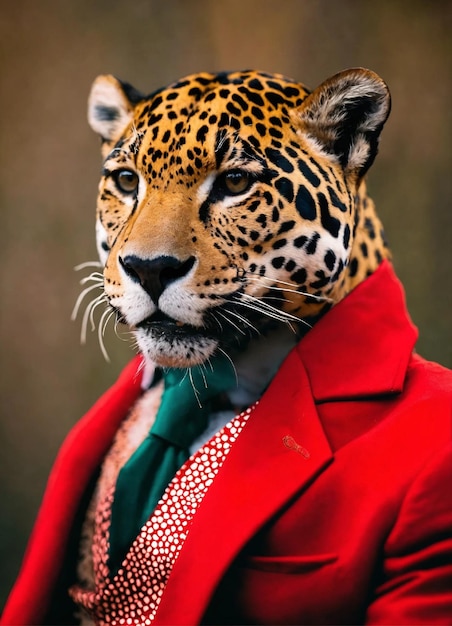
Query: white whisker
{"x":275,"y":299}
{"x":289,"y":289}
{"x":231,"y":362}
{"x":202,"y":370}
{"x":87,"y":316}
{"x":213,"y":314}
{"x":268,"y":313}
{"x":244,"y":320}
{"x":94,"y":304}
{"x":82,"y":266}
{"x":260,"y":306}
{"x":95,"y":276}
{"x":196,"y":392}
{"x":80,"y":298}
{"x":184,"y":376}
{"x":141,"y":367}
{"x":105,"y":314}
{"x":222,"y":314}
{"x":121,"y":337}
{"x":241,"y":318}
{"x":107,"y":319}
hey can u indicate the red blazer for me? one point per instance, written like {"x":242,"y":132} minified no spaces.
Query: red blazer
{"x":334,"y":506}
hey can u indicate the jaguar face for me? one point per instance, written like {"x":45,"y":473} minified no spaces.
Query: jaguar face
{"x":229,"y":204}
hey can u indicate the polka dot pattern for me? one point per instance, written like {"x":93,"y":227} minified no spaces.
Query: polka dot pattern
{"x":133,"y":595}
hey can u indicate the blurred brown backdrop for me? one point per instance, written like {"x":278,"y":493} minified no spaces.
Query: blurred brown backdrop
{"x":49,"y":163}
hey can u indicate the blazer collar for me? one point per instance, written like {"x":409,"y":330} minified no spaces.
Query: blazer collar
{"x":362,"y":346}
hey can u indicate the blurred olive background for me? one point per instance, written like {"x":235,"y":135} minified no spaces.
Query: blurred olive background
{"x":49,"y":166}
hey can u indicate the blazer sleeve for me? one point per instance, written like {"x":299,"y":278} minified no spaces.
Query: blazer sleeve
{"x":417,"y":587}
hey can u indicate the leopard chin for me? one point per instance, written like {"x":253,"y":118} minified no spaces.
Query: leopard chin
{"x":168,"y":344}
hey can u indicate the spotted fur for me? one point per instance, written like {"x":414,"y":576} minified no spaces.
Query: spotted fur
{"x":231,"y":203}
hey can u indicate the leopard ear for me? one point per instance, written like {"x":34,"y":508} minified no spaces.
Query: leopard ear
{"x":110,"y":106}
{"x":344,"y":117}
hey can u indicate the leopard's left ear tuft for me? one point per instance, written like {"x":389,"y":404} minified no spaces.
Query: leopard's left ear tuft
{"x":110,"y":106}
{"x":345,"y":115}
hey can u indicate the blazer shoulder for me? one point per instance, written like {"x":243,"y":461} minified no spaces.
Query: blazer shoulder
{"x":428,"y":396}
{"x":435,"y":379}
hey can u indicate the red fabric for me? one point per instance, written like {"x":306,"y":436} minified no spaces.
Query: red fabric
{"x":334,"y":505}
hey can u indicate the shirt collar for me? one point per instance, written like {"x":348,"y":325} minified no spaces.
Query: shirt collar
{"x":362,"y":346}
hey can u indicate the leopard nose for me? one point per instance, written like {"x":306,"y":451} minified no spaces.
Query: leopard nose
{"x":155,"y":275}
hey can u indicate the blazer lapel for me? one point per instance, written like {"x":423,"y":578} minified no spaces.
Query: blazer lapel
{"x":281,"y":450}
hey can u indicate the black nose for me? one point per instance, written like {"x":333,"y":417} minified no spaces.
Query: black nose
{"x":154,"y":275}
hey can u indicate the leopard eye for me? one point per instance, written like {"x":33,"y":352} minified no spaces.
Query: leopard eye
{"x":126,"y":180}
{"x":236,"y":182}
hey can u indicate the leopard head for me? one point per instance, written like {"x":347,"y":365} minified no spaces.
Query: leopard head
{"x":233,"y":203}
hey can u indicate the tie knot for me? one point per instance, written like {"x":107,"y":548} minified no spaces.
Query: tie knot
{"x":186,"y":401}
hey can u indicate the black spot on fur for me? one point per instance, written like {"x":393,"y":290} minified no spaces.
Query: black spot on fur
{"x":300,"y":241}
{"x":286,"y":226}
{"x":312,"y":245}
{"x":262,"y":219}
{"x":222,"y":144}
{"x":305,"y":204}
{"x":254,"y":206}
{"x":368,"y":225}
{"x":278,"y":262}
{"x":312,"y":178}
{"x":224,"y":120}
{"x":255,"y":84}
{"x":155,"y":103}
{"x":330,"y":260}
{"x":335,"y":200}
{"x":258,"y":113}
{"x":275,"y":121}
{"x":201,"y":134}
{"x":252,"y":96}
{"x":322,"y":280}
{"x":233,"y":109}
{"x":195,"y":92}
{"x":274,"y":98}
{"x":240,"y":101}
{"x":279,"y":160}
{"x":280,"y":243}
{"x":299,"y":276}
{"x":353,"y":267}
{"x":346,"y":236}
{"x":285,"y":188}
{"x":204,"y":211}
{"x":329,"y":223}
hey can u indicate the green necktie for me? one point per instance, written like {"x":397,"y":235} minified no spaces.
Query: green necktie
{"x":182,"y":416}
